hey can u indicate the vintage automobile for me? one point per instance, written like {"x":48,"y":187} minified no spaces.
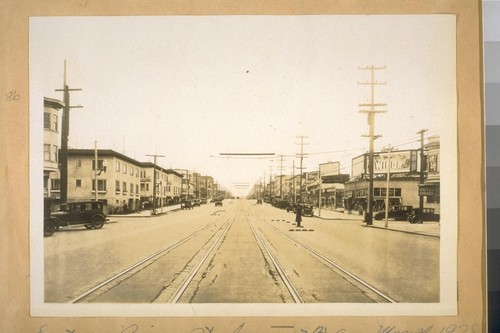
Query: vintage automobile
{"x":427,"y":215}
{"x":398,"y":213}
{"x":91,"y":214}
{"x":218,"y":203}
{"x":187,"y":204}
{"x":307,"y":210}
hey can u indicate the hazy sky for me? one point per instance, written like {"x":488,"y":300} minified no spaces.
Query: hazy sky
{"x":193,"y":87}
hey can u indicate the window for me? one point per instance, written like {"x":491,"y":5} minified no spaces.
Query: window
{"x":54,"y":153}
{"x":46,"y":152}
{"x":117,"y":166}
{"x":131,"y":170}
{"x":124,"y":168}
{"x":147,"y":186}
{"x":46,"y":120}
{"x":101,"y":185}
{"x":100,"y":164}
{"x":55,"y":184}
{"x":433,"y":163}
{"x":54,"y":123}
{"x":78,"y":183}
{"x":137,"y":172}
{"x":78,"y":163}
{"x":131,"y":188}
{"x":136,"y":188}
{"x":143,"y":187}
{"x":124,"y":187}
{"x":117,"y":186}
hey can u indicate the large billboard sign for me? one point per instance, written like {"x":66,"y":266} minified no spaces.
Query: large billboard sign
{"x":329,"y":169}
{"x":400,"y":162}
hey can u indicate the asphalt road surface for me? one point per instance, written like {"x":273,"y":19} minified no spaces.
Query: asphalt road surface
{"x":242,"y":252}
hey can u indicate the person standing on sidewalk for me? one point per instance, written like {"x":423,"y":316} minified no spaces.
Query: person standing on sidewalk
{"x":298,"y":215}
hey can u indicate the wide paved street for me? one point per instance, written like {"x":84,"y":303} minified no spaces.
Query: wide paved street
{"x":242,"y":252}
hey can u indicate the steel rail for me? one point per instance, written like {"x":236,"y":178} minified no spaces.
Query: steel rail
{"x":180,"y":291}
{"x":142,"y":261}
{"x":332,"y":263}
{"x":291,"y":289}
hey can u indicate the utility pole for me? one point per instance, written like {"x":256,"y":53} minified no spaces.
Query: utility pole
{"x":63,"y":156}
{"x":388,"y":150}
{"x":422,"y":176}
{"x":293,"y":182}
{"x":281,"y":176}
{"x":270,"y":182}
{"x":371,"y":111}
{"x":95,"y":169}
{"x":154,"y":181}
{"x":302,"y":137}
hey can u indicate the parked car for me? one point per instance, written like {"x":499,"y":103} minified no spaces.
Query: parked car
{"x":187,"y":205}
{"x":398,"y":212}
{"x":427,"y":215}
{"x":90,"y":214}
{"x":218,"y":203}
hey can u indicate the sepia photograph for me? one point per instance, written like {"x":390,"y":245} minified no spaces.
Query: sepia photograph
{"x":256,"y":165}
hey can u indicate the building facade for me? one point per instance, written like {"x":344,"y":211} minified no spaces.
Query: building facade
{"x":115,"y":177}
{"x":51,"y":144}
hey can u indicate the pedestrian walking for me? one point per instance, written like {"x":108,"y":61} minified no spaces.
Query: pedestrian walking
{"x":298,"y":215}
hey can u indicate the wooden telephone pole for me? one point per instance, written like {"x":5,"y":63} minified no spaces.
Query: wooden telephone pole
{"x":63,"y":155}
{"x":154,"y":180}
{"x":301,"y":161}
{"x":422,"y":176}
{"x":371,"y":111}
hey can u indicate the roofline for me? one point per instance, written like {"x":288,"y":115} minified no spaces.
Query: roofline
{"x":52,"y":103}
{"x":112,"y":153}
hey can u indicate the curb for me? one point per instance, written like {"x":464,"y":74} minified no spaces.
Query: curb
{"x":403,"y":231}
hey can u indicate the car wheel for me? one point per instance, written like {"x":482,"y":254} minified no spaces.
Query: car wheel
{"x":48,"y":228}
{"x":97,"y":222}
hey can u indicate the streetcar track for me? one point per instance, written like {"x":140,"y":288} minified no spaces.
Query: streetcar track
{"x":133,"y":269}
{"x":174,"y":298}
{"x":332,"y":264}
{"x":279,"y":268}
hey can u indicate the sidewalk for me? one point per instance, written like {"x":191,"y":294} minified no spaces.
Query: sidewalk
{"x":426,"y":228}
{"x":149,"y":212}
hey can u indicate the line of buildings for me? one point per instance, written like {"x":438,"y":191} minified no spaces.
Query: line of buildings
{"x":124,"y":183}
{"x":349,"y":192}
